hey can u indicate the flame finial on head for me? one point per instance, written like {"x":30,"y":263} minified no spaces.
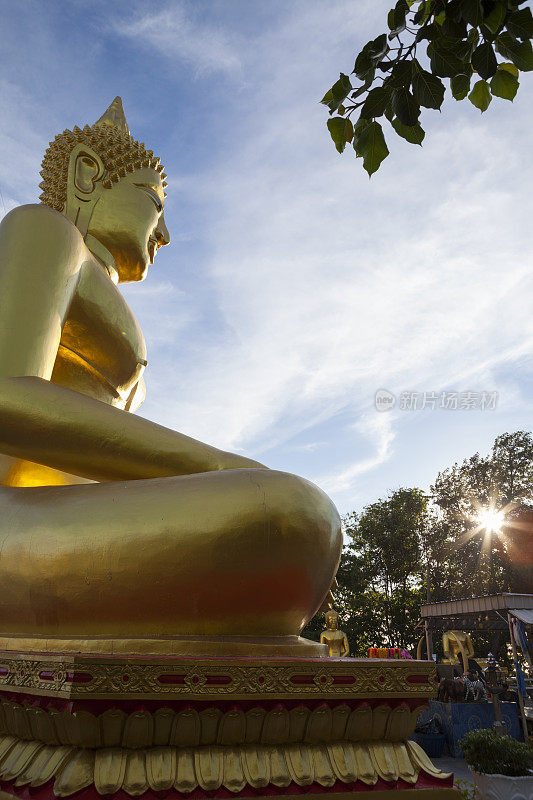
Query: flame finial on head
{"x":114,"y":117}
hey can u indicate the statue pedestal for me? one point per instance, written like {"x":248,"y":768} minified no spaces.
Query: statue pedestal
{"x":180,"y":727}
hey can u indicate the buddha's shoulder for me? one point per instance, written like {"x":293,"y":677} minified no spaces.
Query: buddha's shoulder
{"x":40,"y":221}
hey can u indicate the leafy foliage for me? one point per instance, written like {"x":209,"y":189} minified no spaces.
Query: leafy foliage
{"x":469,"y":562}
{"x":380,"y":576}
{"x":488,"y":752}
{"x":466,"y":789}
{"x":460,"y":37}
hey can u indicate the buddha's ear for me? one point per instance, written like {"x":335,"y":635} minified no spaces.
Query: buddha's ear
{"x":86,"y":171}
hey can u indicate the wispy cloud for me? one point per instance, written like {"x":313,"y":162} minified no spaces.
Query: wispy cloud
{"x":177,"y":33}
{"x":379,"y":430}
{"x":327,"y":286}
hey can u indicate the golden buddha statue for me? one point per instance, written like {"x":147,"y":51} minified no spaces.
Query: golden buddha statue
{"x":118,"y":534}
{"x":335,"y":639}
{"x":457,"y":644}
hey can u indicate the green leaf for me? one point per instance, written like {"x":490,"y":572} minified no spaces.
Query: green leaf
{"x":428,"y":90}
{"x":349,"y":131}
{"x":427,"y":31}
{"x":389,"y":113}
{"x":363,"y":62}
{"x":412,"y":133}
{"x":454,"y":29}
{"x":460,"y":86}
{"x":420,"y":13}
{"x":506,"y":44}
{"x":444,"y":63}
{"x":359,"y":125}
{"x":401,"y":74}
{"x":400,"y":11}
{"x":390,"y":20}
{"x":480,"y":96}
{"x":509,"y":68}
{"x":342,"y":87}
{"x":357,"y":128}
{"x":376,"y":102}
{"x":462,"y":49}
{"x":473,"y":37}
{"x":405,"y":106}
{"x":520,"y":24}
{"x":338,"y":92}
{"x":378,"y":48}
{"x":505,"y":85}
{"x":472,"y":12}
{"x":496,"y":18}
{"x":340,"y":129}
{"x":484,"y":60}
{"x":522,"y":57}
{"x":370,"y":144}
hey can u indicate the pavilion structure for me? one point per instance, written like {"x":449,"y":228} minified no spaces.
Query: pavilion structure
{"x":491,"y":613}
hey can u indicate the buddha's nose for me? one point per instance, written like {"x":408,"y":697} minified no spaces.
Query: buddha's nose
{"x":161,"y":232}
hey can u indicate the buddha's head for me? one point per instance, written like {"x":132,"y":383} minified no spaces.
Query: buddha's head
{"x":111,"y":187}
{"x":332,"y":620}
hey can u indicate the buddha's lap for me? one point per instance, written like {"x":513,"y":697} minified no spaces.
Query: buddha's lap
{"x":236,"y":551}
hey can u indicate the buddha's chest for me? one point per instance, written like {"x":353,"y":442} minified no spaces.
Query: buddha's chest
{"x":102,"y":351}
{"x":334,"y":639}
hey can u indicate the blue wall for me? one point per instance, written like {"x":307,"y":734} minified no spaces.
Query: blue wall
{"x":459,"y":718}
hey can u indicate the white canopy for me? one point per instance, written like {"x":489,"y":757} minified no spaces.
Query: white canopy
{"x":524,"y":614}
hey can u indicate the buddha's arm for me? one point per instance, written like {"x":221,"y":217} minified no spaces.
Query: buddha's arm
{"x":41,"y":255}
{"x":52,"y":425}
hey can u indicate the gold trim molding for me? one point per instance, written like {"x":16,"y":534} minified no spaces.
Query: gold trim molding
{"x":184,"y":646}
{"x":89,"y":677}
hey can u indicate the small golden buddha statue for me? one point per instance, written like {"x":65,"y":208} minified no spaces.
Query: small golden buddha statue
{"x":336,"y":640}
{"x":118,"y":534}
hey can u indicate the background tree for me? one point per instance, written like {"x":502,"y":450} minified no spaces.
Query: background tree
{"x":395,"y":542}
{"x":381,"y":577}
{"x":462,"y":40}
{"x":473,"y":559}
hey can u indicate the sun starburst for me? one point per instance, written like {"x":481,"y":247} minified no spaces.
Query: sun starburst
{"x":490,"y":519}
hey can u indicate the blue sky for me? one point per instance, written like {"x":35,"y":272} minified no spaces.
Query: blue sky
{"x":294,"y":287}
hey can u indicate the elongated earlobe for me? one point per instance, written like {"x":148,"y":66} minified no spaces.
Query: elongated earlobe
{"x":86,"y":172}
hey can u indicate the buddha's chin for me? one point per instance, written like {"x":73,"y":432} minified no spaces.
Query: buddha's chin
{"x":132,"y":270}
{"x":134,"y":274}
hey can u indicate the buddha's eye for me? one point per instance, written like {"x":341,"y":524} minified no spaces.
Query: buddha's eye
{"x":152,"y":195}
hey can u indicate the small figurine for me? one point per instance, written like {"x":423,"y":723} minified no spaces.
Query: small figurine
{"x":335,"y":639}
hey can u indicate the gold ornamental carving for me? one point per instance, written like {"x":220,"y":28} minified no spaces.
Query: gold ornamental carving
{"x":210,"y":725}
{"x":152,"y":678}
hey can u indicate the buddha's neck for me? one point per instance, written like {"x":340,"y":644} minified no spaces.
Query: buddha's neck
{"x":102,"y":255}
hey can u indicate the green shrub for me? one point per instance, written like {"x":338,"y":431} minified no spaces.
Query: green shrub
{"x":490,"y":752}
{"x":466,"y":790}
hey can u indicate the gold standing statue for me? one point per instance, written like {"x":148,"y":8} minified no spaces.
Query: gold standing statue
{"x":117,"y":534}
{"x":336,"y":640}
